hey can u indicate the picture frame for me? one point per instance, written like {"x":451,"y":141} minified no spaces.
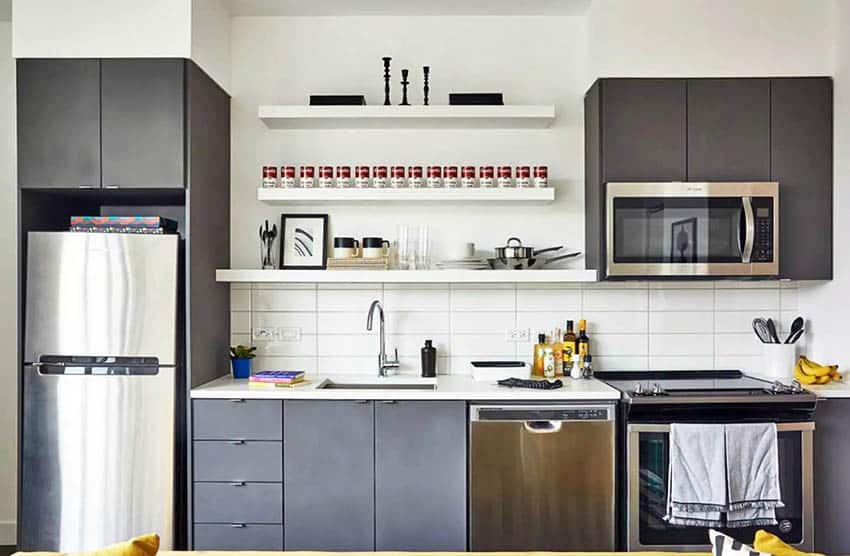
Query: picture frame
{"x":683,"y":237}
{"x":304,"y":241}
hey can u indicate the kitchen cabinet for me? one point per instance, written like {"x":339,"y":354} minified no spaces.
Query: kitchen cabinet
{"x":801,"y":161}
{"x":58,"y":123}
{"x":329,"y":484}
{"x":643,"y":129}
{"x":728,"y":130}
{"x":142,"y":123}
{"x":832,"y":489}
{"x":420,"y":476}
{"x":113,"y":123}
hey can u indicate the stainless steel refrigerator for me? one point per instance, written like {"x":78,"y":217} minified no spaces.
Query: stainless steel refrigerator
{"x":99,"y":379}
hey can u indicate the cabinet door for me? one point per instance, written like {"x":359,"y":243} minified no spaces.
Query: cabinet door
{"x":643,"y":130}
{"x":420,"y":476}
{"x":58,"y":123}
{"x":143,"y":123}
{"x":832,"y":489}
{"x":728,"y":130}
{"x":328,"y":493}
{"x":801,"y":161}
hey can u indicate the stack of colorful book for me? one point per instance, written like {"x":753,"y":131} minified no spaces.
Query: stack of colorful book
{"x":275,"y":379}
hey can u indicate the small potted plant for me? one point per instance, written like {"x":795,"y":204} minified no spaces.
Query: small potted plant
{"x":240,"y":359}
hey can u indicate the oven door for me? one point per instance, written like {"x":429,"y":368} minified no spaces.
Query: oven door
{"x":692,"y":229}
{"x":648,"y":460}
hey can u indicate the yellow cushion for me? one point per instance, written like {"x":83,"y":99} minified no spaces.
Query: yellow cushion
{"x":144,"y":545}
{"x":770,"y":543}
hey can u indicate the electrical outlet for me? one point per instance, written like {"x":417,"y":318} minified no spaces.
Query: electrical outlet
{"x":290,"y":334}
{"x":518,"y":335}
{"x":267,"y":333}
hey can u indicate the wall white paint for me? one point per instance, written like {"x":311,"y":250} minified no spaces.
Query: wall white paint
{"x":827,"y":305}
{"x":211,"y":39}
{"x":8,"y":287}
{"x":636,"y":325}
{"x":101,"y":29}
{"x":531,"y":59}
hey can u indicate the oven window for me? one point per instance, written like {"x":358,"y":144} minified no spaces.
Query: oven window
{"x":654,"y":458}
{"x":678,"y":230}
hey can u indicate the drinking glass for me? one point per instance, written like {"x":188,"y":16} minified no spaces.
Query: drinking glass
{"x":423,"y":253}
{"x":406,"y":246}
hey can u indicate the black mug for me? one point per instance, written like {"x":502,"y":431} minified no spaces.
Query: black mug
{"x":346,"y":248}
{"x":375,"y":248}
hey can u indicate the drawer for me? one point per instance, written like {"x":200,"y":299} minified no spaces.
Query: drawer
{"x":249,"y":536}
{"x":235,"y":419}
{"x":238,"y":502}
{"x":238,"y":460}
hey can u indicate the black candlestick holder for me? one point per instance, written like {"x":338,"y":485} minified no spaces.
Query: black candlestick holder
{"x":426,"y":70}
{"x":404,"y":84}
{"x":386,"y":60}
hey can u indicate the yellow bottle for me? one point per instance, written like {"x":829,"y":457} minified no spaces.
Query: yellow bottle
{"x":558,"y":352}
{"x":569,"y":343}
{"x":537,"y":362}
{"x":582,"y":342}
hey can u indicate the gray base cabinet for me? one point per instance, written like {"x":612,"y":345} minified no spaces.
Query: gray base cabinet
{"x":329,"y":486}
{"x":832,"y":489}
{"x":420,"y":476}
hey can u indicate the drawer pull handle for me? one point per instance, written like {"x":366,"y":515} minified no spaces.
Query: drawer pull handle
{"x":363,"y":401}
{"x":238,"y":483}
{"x":237,"y":400}
{"x":237,"y":442}
{"x":388,"y":402}
{"x":238,"y":525}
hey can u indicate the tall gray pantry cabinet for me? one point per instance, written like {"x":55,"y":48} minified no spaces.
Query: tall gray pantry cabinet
{"x":356,"y":475}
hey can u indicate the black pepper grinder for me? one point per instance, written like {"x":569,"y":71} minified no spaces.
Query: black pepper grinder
{"x":429,"y":360}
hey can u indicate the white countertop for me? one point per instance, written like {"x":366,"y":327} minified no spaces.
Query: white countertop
{"x":449,"y":387}
{"x":831,"y":390}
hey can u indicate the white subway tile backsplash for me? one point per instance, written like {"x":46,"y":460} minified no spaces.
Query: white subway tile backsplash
{"x":679,"y":344}
{"x":482,"y":322}
{"x":483,"y":300}
{"x":552,"y":299}
{"x":632,"y":325}
{"x":306,"y":364}
{"x":746,"y":299}
{"x":614,"y":300}
{"x":681,"y":322}
{"x":681,"y":300}
{"x":283,"y":300}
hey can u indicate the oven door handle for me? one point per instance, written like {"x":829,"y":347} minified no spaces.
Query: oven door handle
{"x":780,"y":427}
{"x":749,"y":230}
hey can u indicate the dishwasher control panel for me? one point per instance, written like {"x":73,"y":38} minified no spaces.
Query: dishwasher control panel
{"x":541,"y":413}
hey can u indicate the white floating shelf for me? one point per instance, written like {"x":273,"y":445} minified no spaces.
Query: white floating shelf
{"x":405,"y":276}
{"x":436,"y":116}
{"x":279,"y":196}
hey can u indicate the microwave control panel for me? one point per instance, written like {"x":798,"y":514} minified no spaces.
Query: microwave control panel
{"x":763,"y":241}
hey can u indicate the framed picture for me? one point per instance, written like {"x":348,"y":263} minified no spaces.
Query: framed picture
{"x":303,"y":242}
{"x":683,"y":241}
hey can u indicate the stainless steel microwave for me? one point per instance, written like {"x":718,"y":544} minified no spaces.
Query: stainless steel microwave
{"x":692,"y":229}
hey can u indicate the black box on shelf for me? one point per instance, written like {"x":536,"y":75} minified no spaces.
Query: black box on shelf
{"x":337,"y":100}
{"x":476,"y":99}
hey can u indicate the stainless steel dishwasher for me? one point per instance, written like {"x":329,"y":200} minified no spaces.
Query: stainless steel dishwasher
{"x":542,"y":477}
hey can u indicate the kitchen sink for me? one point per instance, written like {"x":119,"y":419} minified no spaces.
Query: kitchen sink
{"x":334,"y":385}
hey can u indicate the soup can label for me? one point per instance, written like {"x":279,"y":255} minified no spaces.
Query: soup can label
{"x":523,"y":176}
{"x":269,"y":176}
{"x":486,"y":176}
{"x":379,"y":175}
{"x":450,"y":176}
{"x":541,"y":176}
{"x":326,"y":176}
{"x":467,"y":176}
{"x":287,"y":176}
{"x":361,"y":176}
{"x":505,"y":179}
{"x":308,"y":176}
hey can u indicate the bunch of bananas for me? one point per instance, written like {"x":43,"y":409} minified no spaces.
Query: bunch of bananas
{"x":809,"y":372}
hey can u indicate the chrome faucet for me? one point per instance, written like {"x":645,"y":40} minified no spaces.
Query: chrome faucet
{"x":383,"y":362}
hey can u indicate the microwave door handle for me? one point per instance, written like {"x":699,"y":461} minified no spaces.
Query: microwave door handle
{"x":750,"y":230}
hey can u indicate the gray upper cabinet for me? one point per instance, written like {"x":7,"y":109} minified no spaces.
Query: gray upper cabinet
{"x":58,"y":123}
{"x":728,"y":130}
{"x":143,"y":123}
{"x":328,"y":475}
{"x":643,"y":129}
{"x":420,"y":476}
{"x":801,"y":161}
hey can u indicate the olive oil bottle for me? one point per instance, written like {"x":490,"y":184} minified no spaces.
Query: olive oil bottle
{"x":568,"y":347}
{"x":582,"y":342}
{"x":537,"y":361}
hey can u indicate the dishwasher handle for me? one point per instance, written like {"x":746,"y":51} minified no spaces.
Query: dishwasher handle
{"x":542,"y":427}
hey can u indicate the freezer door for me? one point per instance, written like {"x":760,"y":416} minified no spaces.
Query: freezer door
{"x":94,"y":294}
{"x":97,"y":459}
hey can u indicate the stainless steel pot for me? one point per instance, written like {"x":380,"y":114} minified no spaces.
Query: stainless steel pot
{"x":518,"y":263}
{"x":514,"y":249}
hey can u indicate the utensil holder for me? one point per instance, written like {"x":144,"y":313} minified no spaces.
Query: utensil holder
{"x":780,"y":360}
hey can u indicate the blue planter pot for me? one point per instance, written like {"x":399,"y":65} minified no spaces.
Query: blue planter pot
{"x":241,"y":368}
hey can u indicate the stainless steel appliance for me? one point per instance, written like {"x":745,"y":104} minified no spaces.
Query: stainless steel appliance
{"x":653,"y":400}
{"x":692,"y":229}
{"x":100,"y":367}
{"x":542,"y":477}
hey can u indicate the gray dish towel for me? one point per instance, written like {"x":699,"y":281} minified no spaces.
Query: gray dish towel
{"x":752,"y":474}
{"x":697,"y":477}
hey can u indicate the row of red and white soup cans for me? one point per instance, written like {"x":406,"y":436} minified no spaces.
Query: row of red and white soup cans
{"x":412,"y":176}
